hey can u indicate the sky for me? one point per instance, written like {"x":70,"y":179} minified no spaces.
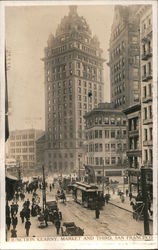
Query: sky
{"x":27,"y":29}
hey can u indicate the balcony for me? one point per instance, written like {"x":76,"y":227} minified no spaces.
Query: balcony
{"x":147,"y":121}
{"x":133,"y":152}
{"x":147,"y":54}
{"x":147,"y":76}
{"x":147,"y":99}
{"x":147,"y":164}
{"x":147,"y":143}
{"x":133,"y":133}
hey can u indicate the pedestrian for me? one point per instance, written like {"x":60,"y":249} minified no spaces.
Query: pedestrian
{"x":13,"y":233}
{"x":126,"y":192}
{"x":22,"y":215}
{"x":107,"y":198}
{"x":53,"y":185}
{"x":57,"y":225}
{"x":27,"y":213}
{"x":16,"y":207}
{"x":28,"y":203}
{"x":130,"y":196}
{"x":8,"y":222}
{"x":7,"y":209}
{"x":50,"y":187}
{"x":97,"y":212}
{"x":46,"y":213}
{"x":12,"y":209}
{"x":122,"y":198}
{"x":27,"y":226}
{"x":14,"y":221}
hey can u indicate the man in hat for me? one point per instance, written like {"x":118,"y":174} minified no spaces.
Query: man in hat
{"x":27,"y":226}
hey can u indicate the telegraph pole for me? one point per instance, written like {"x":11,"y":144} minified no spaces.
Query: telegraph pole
{"x":103,"y":179}
{"x":44,"y":188}
{"x":145,"y":200}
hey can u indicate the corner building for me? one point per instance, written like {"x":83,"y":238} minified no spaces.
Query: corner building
{"x":73,"y":69}
{"x":124,"y":57}
{"x":106,"y":138}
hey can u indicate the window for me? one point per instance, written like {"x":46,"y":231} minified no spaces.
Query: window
{"x":96,"y":133}
{"x":144,"y":91}
{"x":96,"y":147}
{"x":112,"y":147}
{"x":150,"y":111}
{"x":100,"y":133}
{"x":107,"y":160}
{"x":112,"y":120}
{"x":113,"y":160}
{"x":146,"y":154}
{"x":145,"y":134}
{"x":100,"y":147}
{"x":151,"y":133}
{"x":112,"y":133}
{"x":106,"y":120}
{"x":144,"y":70}
{"x":106,"y":133}
{"x":107,"y":147}
{"x":145,"y":113}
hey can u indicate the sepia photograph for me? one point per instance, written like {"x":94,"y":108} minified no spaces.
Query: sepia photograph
{"x":79,"y":125}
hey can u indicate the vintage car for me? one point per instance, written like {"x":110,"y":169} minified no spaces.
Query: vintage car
{"x":70,"y":229}
{"x":54,"y":213}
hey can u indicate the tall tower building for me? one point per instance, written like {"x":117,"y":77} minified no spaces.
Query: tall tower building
{"x":73,"y":86}
{"x":124,"y":57}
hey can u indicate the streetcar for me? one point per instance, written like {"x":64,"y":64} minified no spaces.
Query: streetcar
{"x":88,"y":195}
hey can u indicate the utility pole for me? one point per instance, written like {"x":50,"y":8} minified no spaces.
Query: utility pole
{"x":145,"y":200}
{"x":103,"y":179}
{"x":79,"y":174}
{"x":44,"y":188}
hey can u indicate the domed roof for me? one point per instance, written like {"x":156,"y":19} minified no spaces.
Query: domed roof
{"x":73,"y":22}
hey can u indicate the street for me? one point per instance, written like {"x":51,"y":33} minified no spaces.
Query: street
{"x":112,"y":220}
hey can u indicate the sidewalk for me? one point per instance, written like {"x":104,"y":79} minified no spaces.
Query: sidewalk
{"x":116,"y":201}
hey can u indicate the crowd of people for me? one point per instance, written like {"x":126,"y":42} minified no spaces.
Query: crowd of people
{"x":12,"y":214}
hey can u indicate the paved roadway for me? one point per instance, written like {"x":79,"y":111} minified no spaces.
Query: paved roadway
{"x":112,"y":220}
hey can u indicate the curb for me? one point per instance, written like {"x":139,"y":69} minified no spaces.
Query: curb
{"x":120,"y":207}
{"x":125,"y":209}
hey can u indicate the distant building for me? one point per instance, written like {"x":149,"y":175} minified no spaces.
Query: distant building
{"x":22,"y":148}
{"x":124,"y":57}
{"x":134,"y":150}
{"x":12,"y":167}
{"x":40,"y":152}
{"x":106,"y":142}
{"x":73,"y":85}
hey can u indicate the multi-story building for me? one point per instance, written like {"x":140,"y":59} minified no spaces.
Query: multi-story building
{"x":22,"y":148}
{"x":146,"y":83}
{"x":106,"y":142}
{"x":124,"y":57}
{"x":73,"y":85}
{"x":146,"y":51}
{"x":134,"y":148}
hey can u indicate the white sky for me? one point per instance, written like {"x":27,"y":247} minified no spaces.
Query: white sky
{"x":27,"y":31}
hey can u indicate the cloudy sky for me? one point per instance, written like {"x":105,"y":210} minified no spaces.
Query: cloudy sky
{"x":27,"y":31}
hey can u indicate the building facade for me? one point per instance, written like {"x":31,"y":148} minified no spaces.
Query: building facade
{"x":124,"y":59}
{"x":134,"y":149}
{"x":22,"y":148}
{"x":73,"y":85}
{"x":106,"y":142}
{"x":146,"y":84}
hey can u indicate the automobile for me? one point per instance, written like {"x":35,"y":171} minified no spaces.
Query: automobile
{"x":53,"y":211}
{"x":70,"y":229}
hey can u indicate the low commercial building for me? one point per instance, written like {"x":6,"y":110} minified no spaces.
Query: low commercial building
{"x":22,"y":148}
{"x":106,"y":142}
{"x":134,"y":151}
